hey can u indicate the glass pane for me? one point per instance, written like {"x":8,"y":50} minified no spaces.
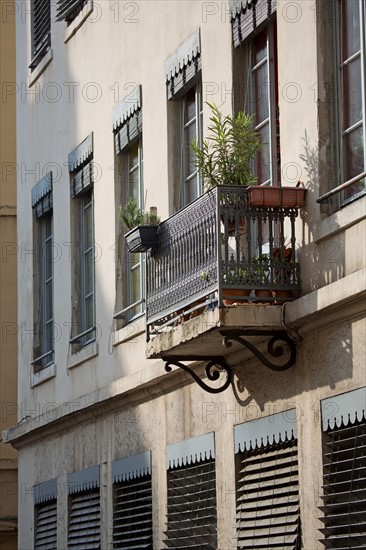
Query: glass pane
{"x":263,"y":157}
{"x":133,"y":259}
{"x":192,"y":189}
{"x":352,"y":93}
{"x":49,"y":339}
{"x":350,"y":15}
{"x":353,"y":153}
{"x":88,"y":227}
{"x":89,"y":272}
{"x":48,"y":304}
{"x":189,"y":105}
{"x":134,"y":155}
{"x":189,"y":157}
{"x":135,"y":287}
{"x":89,"y":314}
{"x":259,"y":48}
{"x":48,"y":258}
{"x":260,"y":100}
{"x":134,"y":186}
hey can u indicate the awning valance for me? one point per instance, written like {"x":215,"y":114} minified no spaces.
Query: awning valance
{"x":247,"y":16}
{"x":183,"y":65}
{"x":344,"y":409}
{"x":45,"y":491}
{"x":42,"y":199}
{"x":81,"y":154}
{"x":268,"y":430}
{"x":131,"y":467}
{"x":83,"y":480}
{"x":190,"y":451}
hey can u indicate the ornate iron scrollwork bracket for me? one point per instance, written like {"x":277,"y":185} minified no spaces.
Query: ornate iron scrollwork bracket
{"x":216,"y":366}
{"x":275,"y":347}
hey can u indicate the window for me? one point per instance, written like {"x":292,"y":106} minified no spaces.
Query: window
{"x":127,"y":126}
{"x":344,"y":470}
{"x":41,"y":30}
{"x":84,"y":509}
{"x":45,"y":515}
{"x":267,"y":488}
{"x":191,"y":129}
{"x":83,"y":245}
{"x":192,"y":514}
{"x":132,"y":502}
{"x":67,"y":10}
{"x":254,"y":28}
{"x":351,"y":66}
{"x":43,"y":344}
{"x":184,"y":91}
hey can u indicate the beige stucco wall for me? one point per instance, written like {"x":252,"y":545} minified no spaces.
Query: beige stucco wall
{"x":8,"y":278}
{"x":110,"y":51}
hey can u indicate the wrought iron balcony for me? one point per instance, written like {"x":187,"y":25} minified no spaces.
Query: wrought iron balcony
{"x":218,"y":251}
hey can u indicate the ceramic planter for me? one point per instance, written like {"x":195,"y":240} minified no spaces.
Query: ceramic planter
{"x":141,"y":238}
{"x":276,"y":197}
{"x":234,"y":292}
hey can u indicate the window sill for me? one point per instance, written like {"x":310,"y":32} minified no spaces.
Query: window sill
{"x":78,"y":21}
{"x":341,"y":220}
{"x":36,"y":73}
{"x":89,"y":351}
{"x":130,"y":332}
{"x":43,"y":375}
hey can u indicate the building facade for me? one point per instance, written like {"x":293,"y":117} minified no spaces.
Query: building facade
{"x":8,"y":278}
{"x":127,"y":443}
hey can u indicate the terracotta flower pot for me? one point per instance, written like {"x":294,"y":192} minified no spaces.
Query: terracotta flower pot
{"x":276,"y":197}
{"x":234,"y":292}
{"x":262,"y":294}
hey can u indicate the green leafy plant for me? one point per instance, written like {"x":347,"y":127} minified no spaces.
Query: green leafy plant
{"x":131,"y":215}
{"x":226,"y":154}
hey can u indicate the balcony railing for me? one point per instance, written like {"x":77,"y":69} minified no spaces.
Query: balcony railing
{"x":219,"y":250}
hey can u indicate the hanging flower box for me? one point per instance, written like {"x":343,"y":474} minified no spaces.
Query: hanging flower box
{"x":142,"y":238}
{"x":276,"y":197}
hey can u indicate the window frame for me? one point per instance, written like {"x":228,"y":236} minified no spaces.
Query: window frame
{"x":86,"y":203}
{"x":341,"y":131}
{"x":251,"y":96}
{"x":197,"y":119}
{"x":41,"y":47}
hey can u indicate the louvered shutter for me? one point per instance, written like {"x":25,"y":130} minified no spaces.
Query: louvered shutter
{"x":127,"y":120}
{"x":182,"y":69}
{"x":344,"y":471}
{"x":80,"y":164}
{"x":268,"y":497}
{"x":84,"y":521}
{"x":67,"y":10}
{"x":46,"y":526}
{"x":129,"y":131}
{"x":248,"y":16}
{"x":192,"y":514}
{"x":42,"y":197}
{"x":41,"y":29}
{"x":132,"y":513}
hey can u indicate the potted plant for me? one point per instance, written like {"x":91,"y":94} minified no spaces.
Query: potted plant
{"x":225,"y":158}
{"x":143,"y":226}
{"x":282,"y":272}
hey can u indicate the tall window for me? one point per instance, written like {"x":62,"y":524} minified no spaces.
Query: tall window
{"x":127,"y":127}
{"x":191,"y":130}
{"x":42,"y":201}
{"x":351,"y":70}
{"x":41,"y":30}
{"x":82,"y":230}
{"x":84,"y":529}
{"x":184,"y":92}
{"x":135,"y":266}
{"x":262,"y":103}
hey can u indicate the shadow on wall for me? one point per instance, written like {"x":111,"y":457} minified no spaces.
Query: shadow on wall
{"x":322,"y":262}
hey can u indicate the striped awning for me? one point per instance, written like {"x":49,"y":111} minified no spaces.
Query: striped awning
{"x":247,"y":16}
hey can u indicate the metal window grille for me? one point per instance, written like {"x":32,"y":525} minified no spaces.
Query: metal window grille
{"x":46,"y":526}
{"x":67,"y":10}
{"x":344,"y":474}
{"x":268,"y":497}
{"x":41,"y":29}
{"x":132,"y":514}
{"x":84,"y":521}
{"x":192,"y":515}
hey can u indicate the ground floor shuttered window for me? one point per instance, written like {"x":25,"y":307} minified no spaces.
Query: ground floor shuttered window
{"x":345,"y":486}
{"x":192,"y":517}
{"x":46,"y":526}
{"x":84,"y":521}
{"x":268,"y":505}
{"x":132,"y":514}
